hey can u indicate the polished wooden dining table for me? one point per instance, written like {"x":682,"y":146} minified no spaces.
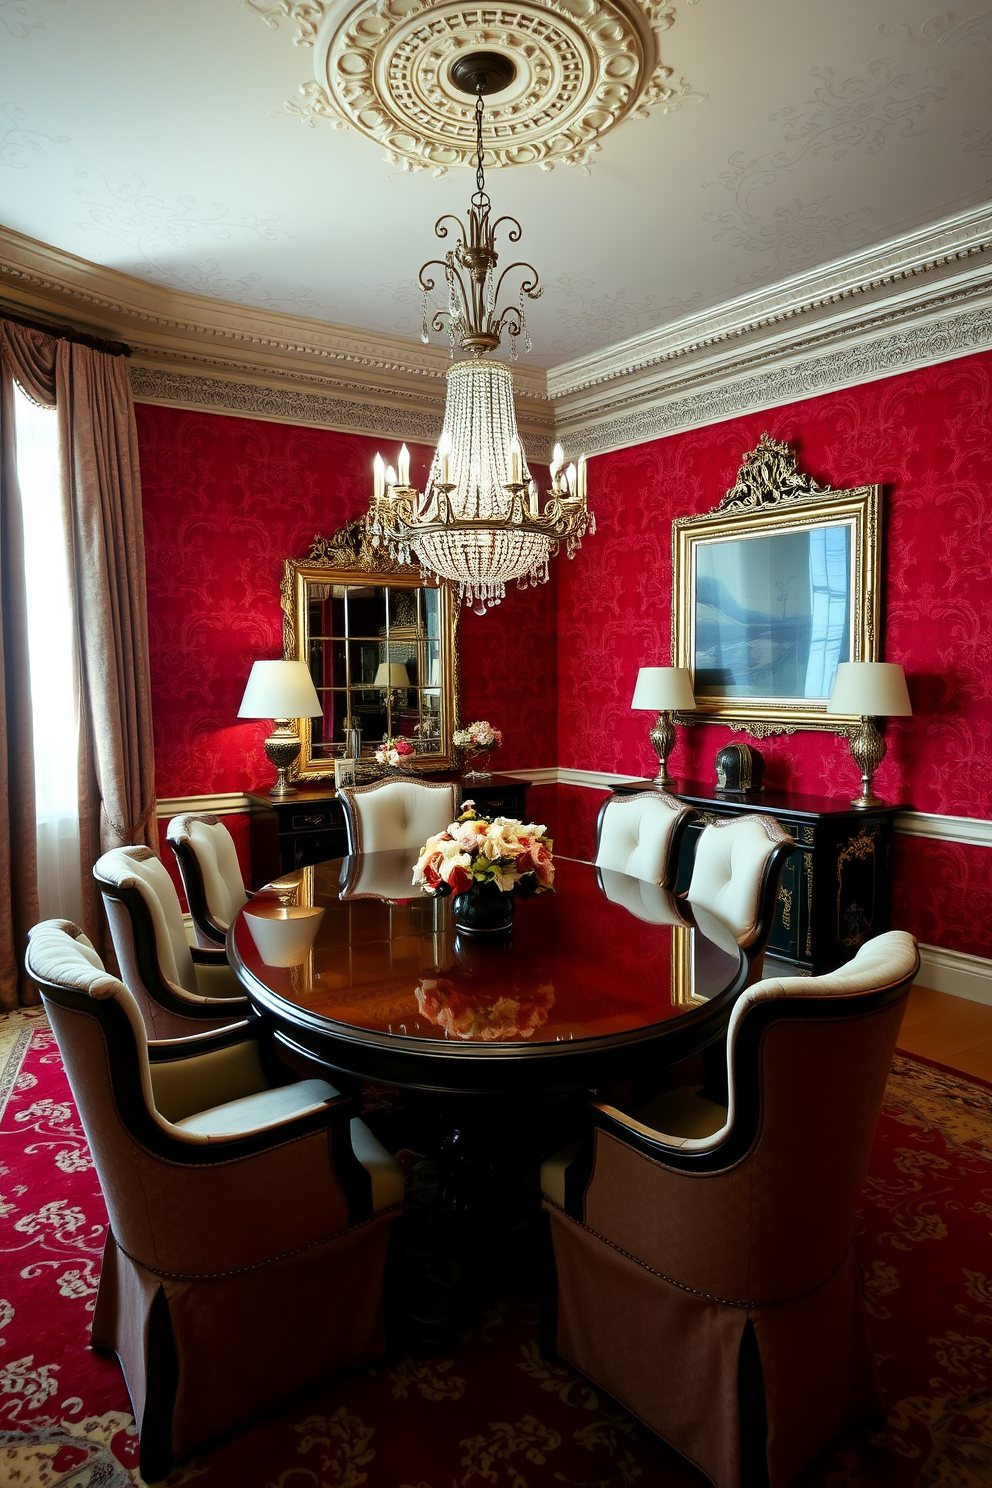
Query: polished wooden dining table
{"x":597,"y":981}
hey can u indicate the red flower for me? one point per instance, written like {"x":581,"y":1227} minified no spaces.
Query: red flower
{"x":459,"y":879}
{"x":403,"y":746}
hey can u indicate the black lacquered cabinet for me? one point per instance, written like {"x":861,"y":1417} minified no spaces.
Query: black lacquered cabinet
{"x":307,"y":828}
{"x":837,"y":885}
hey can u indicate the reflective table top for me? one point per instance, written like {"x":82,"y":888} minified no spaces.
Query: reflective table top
{"x":351,"y":952}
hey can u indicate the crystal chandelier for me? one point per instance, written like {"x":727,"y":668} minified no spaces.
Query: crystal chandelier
{"x":479,"y":522}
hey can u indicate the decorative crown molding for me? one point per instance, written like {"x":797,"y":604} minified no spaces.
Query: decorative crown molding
{"x":922,"y":298}
{"x":286,"y":367}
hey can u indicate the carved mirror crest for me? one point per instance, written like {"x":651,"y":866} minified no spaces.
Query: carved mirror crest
{"x":379,"y":642}
{"x":770,"y":591}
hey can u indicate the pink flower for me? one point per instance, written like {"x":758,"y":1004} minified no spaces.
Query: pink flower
{"x":403,"y":746}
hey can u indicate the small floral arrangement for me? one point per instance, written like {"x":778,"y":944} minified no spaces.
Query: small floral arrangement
{"x":478,"y":738}
{"x":477,"y":850}
{"x":394,"y":751}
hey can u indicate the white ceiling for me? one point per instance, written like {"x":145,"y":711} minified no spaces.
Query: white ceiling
{"x":151,"y":136}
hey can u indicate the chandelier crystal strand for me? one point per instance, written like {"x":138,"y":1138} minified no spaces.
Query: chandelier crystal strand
{"x":479,"y":522}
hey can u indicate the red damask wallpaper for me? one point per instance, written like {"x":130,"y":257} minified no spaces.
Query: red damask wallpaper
{"x":927,"y":437}
{"x":226,"y":500}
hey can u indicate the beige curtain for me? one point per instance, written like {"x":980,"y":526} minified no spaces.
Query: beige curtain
{"x":101,"y":498}
{"x":18,"y":862}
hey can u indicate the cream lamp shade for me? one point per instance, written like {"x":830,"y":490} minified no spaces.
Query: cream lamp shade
{"x":874,"y":689}
{"x":392,"y":674}
{"x":664,"y":690}
{"x":280,"y":689}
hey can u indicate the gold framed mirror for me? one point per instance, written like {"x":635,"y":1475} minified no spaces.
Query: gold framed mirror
{"x":379,"y":643}
{"x":770,"y":591}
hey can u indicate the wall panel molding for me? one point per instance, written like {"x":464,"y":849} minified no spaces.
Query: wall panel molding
{"x":232,"y":804}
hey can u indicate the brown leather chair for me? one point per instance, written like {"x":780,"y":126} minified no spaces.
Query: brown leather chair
{"x":210,"y":871}
{"x":641,"y":834}
{"x":180,"y":989}
{"x":705,"y":1275}
{"x":249,"y":1210}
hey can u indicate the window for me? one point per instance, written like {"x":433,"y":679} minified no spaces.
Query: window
{"x":54,"y":708}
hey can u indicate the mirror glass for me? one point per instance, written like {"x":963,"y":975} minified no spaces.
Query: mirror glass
{"x":380,"y":647}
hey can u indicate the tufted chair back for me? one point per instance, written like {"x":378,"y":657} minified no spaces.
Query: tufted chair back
{"x":210,"y":871}
{"x":641,"y":834}
{"x":737,"y":861}
{"x":154,"y":955}
{"x":396,"y":813}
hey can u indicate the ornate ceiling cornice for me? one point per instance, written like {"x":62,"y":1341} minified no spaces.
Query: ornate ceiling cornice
{"x":924,"y":297}
{"x":191,"y":341}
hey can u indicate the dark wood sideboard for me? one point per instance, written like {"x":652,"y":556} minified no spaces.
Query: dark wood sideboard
{"x":837,"y":885}
{"x":295,"y":831}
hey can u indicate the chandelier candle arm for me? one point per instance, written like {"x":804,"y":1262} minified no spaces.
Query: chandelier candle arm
{"x":478,"y":522}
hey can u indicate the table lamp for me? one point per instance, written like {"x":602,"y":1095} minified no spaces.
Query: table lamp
{"x":872,"y":689}
{"x":391,"y":677}
{"x":669,"y":690}
{"x":281,"y":690}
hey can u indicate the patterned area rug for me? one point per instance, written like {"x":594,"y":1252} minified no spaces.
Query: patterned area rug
{"x":492,"y":1412}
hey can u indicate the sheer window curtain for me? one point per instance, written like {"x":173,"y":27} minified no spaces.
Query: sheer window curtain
{"x":54,"y":695}
{"x":87,"y":383}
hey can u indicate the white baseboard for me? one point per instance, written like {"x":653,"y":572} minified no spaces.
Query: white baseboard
{"x":955,"y":972}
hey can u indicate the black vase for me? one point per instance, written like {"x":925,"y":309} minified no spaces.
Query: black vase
{"x":485,"y":908}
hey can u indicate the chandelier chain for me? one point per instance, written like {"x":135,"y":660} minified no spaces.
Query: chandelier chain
{"x":480,"y":199}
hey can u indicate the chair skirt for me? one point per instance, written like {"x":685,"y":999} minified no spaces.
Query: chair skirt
{"x":203,"y":1355}
{"x":682,"y":1363}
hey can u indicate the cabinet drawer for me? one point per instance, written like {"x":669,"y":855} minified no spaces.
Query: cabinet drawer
{"x":315,"y":817}
{"x":306,"y":848}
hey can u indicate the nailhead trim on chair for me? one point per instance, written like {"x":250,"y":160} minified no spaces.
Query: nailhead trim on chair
{"x":255,"y":1266}
{"x":693,"y":1292}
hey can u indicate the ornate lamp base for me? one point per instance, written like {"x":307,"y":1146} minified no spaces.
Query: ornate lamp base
{"x":283,"y":748}
{"x":868,"y":752}
{"x":663,"y":738}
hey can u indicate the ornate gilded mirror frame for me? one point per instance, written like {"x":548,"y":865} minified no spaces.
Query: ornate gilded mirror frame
{"x":731,"y":576}
{"x":347,"y":564}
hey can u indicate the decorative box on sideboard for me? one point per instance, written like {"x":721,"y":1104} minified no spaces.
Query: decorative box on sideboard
{"x":309,"y":827}
{"x":837,"y":885}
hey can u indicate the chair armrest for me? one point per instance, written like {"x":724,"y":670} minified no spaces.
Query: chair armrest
{"x":212,"y":956}
{"x":661,"y":1146}
{"x":160,"y":1051}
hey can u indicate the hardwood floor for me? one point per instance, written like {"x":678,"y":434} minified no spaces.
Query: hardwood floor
{"x":951,"y":1030}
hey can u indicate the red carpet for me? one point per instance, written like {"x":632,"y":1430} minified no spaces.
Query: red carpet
{"x":492,"y":1414}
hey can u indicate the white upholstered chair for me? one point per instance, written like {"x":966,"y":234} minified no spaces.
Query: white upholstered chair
{"x":210,"y":871}
{"x":249,"y":1210}
{"x":735,"y":880}
{"x":641,"y":834}
{"x":705,"y":1271}
{"x":179,"y":988}
{"x":396,"y":813}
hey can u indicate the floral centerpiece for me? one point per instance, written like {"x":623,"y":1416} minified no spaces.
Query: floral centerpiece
{"x":395,"y":752}
{"x":482,"y":860}
{"x":479,"y":739}
{"x":467,"y":1014}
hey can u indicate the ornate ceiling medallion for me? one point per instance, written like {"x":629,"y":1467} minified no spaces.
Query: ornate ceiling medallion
{"x":384,"y":67}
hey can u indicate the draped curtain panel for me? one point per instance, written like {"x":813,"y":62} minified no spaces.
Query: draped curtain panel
{"x":101,"y":500}
{"x":18,"y":858}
